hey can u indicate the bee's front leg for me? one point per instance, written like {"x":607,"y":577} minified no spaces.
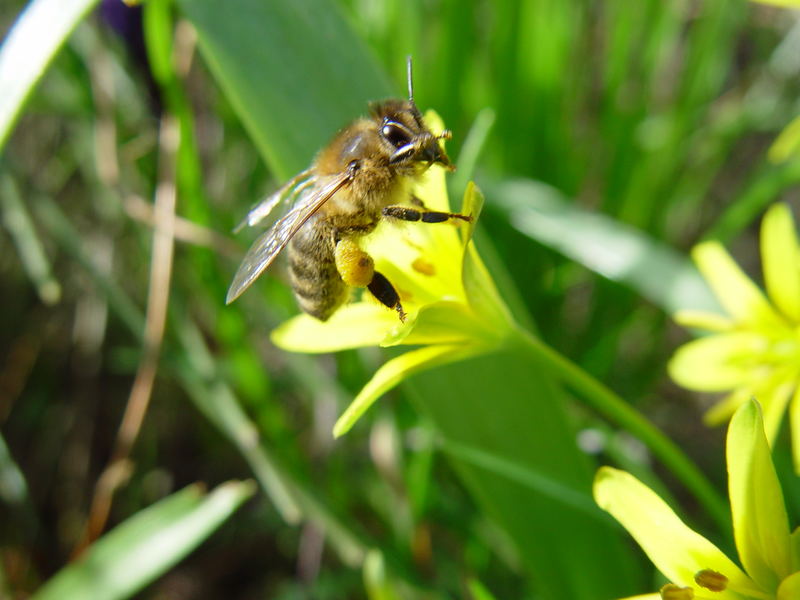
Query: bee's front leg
{"x":422,"y":214}
{"x":357,"y":269}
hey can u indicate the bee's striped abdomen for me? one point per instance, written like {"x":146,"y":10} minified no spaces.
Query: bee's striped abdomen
{"x":316,"y":283}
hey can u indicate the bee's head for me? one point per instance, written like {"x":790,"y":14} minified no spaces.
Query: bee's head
{"x":404,"y":134}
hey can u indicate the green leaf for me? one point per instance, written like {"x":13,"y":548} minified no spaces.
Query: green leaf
{"x":613,"y":250}
{"x":529,"y":475}
{"x":295,"y":72}
{"x":146,"y":545}
{"x":376,"y":581}
{"x":35,"y":38}
{"x":13,"y":488}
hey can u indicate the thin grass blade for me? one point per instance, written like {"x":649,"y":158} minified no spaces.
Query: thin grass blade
{"x":29,"y":47}
{"x":136,"y":552}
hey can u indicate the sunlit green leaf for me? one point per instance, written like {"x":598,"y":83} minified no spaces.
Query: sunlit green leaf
{"x":136,"y":552}
{"x":612,"y":249}
{"x":28,"y":49}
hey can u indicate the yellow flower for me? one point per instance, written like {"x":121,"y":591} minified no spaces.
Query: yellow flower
{"x":695,"y":567}
{"x":755,"y":351}
{"x":453,"y":306}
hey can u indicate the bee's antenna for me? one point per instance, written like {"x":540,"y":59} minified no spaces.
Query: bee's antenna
{"x":410,"y":80}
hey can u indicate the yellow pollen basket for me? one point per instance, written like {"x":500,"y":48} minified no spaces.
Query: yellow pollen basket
{"x":354,"y":265}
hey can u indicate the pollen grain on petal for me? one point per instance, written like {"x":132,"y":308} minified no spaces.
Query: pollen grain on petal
{"x":672,"y":591}
{"x":420,"y":265}
{"x":711,"y":580}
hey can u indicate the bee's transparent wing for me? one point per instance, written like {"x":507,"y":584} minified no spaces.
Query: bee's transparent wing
{"x":270,"y":243}
{"x":290,"y":189}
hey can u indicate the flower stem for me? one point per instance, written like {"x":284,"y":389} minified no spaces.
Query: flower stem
{"x":615,"y":409}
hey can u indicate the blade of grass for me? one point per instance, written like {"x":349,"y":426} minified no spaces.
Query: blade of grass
{"x":217,"y":402}
{"x":478,"y":590}
{"x":31,"y":252}
{"x":613,"y":250}
{"x":219,"y":405}
{"x":214,"y":398}
{"x":153,"y":336}
{"x":470,"y":151}
{"x":13,"y":488}
{"x":615,"y":410}
{"x":146,"y":545}
{"x":765,"y":187}
{"x":68,"y":238}
{"x":34,"y":39}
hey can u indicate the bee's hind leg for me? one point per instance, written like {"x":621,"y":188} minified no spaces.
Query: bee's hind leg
{"x":384,"y":291}
{"x":357,"y":269}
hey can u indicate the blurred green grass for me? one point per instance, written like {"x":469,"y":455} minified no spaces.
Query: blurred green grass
{"x":659,"y":118}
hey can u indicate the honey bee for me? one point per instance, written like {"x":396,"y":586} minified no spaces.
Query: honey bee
{"x":364,"y":175}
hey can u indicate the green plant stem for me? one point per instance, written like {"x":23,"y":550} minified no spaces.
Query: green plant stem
{"x":613,"y":408}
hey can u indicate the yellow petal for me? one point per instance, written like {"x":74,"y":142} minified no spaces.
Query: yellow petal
{"x":717,"y":362}
{"x":789,"y":589}
{"x":675,"y":550}
{"x":735,"y":290}
{"x":700,"y":319}
{"x":471,"y":204}
{"x":760,"y":524}
{"x":438,"y":323}
{"x":780,"y":259}
{"x":479,"y":287}
{"x":399,"y":247}
{"x":394,"y":371}
{"x":401,"y":250}
{"x":356,"y":325}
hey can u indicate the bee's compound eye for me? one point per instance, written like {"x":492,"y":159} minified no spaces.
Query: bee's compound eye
{"x":395,"y":134}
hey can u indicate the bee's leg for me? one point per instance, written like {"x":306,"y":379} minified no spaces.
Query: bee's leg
{"x":357,"y":269}
{"x":384,"y":291}
{"x":405,"y":213}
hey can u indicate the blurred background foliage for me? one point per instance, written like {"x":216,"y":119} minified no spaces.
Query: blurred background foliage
{"x":657,"y":115}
